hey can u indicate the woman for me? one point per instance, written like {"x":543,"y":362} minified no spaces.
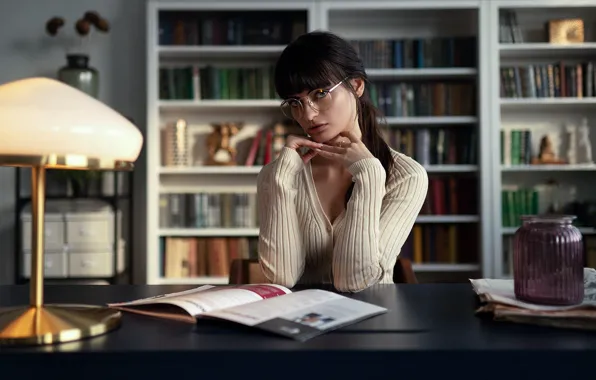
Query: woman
{"x":341,"y":211}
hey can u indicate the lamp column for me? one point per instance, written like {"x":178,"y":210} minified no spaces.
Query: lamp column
{"x":38,"y":189}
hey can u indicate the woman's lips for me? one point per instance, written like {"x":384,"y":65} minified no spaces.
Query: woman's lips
{"x":318,"y":128}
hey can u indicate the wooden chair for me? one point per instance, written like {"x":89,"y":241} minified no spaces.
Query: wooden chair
{"x":247,"y":271}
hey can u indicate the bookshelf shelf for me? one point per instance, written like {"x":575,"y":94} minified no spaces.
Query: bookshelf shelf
{"x":210,"y":170}
{"x":583,"y":230}
{"x":451,"y":168}
{"x":432,"y":120}
{"x":548,"y":102}
{"x":447,"y":219}
{"x":219,"y":51}
{"x":549,"y":168}
{"x":431,"y":267}
{"x":196,"y":232}
{"x":424,"y":73}
{"x":177,"y":105}
{"x":547,"y":50}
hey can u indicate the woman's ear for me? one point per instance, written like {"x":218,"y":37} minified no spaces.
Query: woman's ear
{"x":358,"y":86}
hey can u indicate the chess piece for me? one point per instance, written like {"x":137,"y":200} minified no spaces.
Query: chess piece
{"x":571,"y":144}
{"x":220,"y":149}
{"x":584,"y":145}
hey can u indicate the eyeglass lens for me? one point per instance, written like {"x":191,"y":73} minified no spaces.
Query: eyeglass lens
{"x":318,"y":100}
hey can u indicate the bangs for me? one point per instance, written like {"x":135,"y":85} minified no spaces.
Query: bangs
{"x":297,"y":71}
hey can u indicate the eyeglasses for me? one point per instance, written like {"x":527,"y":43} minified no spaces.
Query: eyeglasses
{"x":319,"y":100}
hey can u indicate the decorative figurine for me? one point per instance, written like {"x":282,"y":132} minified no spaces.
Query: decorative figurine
{"x":219,"y":147}
{"x":584,"y":146}
{"x":571,"y":144}
{"x":547,"y":154}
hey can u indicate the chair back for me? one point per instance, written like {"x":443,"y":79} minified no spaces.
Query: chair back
{"x":247,"y":271}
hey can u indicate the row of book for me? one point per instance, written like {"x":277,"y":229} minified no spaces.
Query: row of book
{"x":442,"y":243}
{"x":216,"y":83}
{"x":516,"y":147}
{"x":183,"y":257}
{"x":187,"y":257}
{"x":230,"y":27}
{"x":424,"y":99}
{"x":436,"y":146}
{"x":509,"y":31}
{"x":208,"y":210}
{"x":557,"y":80}
{"x":417,"y":52}
{"x":451,"y":195}
{"x":518,"y":201}
{"x":447,"y":195}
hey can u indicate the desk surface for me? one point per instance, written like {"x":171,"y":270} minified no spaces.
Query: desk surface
{"x":444,"y":313}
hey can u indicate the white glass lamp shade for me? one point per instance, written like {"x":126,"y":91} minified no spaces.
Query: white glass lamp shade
{"x":42,"y":116}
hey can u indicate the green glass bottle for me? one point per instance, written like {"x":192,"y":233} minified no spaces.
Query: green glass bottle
{"x":78,"y":74}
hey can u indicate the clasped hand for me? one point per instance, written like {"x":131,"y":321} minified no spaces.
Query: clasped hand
{"x":347,"y":151}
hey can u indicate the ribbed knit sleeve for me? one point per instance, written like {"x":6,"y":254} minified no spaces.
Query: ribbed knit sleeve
{"x":280,"y":248}
{"x":378,"y":220}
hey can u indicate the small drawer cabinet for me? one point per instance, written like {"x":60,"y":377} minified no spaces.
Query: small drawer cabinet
{"x":79,"y":241}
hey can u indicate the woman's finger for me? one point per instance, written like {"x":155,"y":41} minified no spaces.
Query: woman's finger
{"x":308,"y":155}
{"x":327,"y":154}
{"x":308,"y":143}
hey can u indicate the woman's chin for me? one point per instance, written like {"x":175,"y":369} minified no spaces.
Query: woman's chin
{"x":326,"y":137}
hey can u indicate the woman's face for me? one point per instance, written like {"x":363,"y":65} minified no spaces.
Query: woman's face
{"x":325,"y":113}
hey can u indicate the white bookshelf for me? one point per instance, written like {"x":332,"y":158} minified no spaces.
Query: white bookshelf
{"x":353,"y":20}
{"x":539,"y":115}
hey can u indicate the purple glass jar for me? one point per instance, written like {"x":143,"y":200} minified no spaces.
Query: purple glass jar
{"x":548,"y":261}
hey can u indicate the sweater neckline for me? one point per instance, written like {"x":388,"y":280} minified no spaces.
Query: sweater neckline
{"x":316,"y":201}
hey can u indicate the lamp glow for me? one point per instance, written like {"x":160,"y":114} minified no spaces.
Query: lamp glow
{"x":46,"y":124}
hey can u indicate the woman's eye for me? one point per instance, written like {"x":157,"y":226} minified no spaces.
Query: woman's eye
{"x":321,"y":94}
{"x":294,"y":103}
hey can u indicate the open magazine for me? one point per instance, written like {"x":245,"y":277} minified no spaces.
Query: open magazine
{"x":298,"y":315}
{"x":500,"y":301}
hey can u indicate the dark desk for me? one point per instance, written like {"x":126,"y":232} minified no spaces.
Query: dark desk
{"x":446,"y":338}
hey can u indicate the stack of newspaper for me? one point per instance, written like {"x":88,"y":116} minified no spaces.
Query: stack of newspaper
{"x":499,"y":299}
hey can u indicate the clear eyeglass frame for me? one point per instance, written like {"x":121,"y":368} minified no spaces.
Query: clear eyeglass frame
{"x":294,"y":107}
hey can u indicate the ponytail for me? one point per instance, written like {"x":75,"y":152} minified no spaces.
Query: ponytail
{"x":368,"y":119}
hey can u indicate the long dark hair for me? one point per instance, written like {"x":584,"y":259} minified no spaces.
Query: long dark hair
{"x":319,"y":59}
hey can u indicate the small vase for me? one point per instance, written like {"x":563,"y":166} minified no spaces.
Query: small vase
{"x":78,"y":74}
{"x":548,"y":266}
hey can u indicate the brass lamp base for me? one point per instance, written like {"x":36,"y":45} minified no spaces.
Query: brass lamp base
{"x":48,"y":324}
{"x":38,"y":323}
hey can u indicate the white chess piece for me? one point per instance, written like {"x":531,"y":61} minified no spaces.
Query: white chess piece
{"x":584,"y":146}
{"x":572,"y":144}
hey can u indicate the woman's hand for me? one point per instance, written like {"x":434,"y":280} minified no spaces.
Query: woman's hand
{"x":348,"y":153}
{"x":297,"y":142}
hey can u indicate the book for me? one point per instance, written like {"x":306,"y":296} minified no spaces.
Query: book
{"x":299,"y":315}
{"x":499,"y":300}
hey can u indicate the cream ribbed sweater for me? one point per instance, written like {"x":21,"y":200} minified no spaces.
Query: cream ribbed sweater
{"x":298,"y":245}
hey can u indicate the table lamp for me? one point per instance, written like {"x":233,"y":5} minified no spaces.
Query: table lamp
{"x":46,"y":124}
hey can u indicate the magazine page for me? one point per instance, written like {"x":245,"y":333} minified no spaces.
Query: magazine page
{"x":188,"y":304}
{"x":301,"y":315}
